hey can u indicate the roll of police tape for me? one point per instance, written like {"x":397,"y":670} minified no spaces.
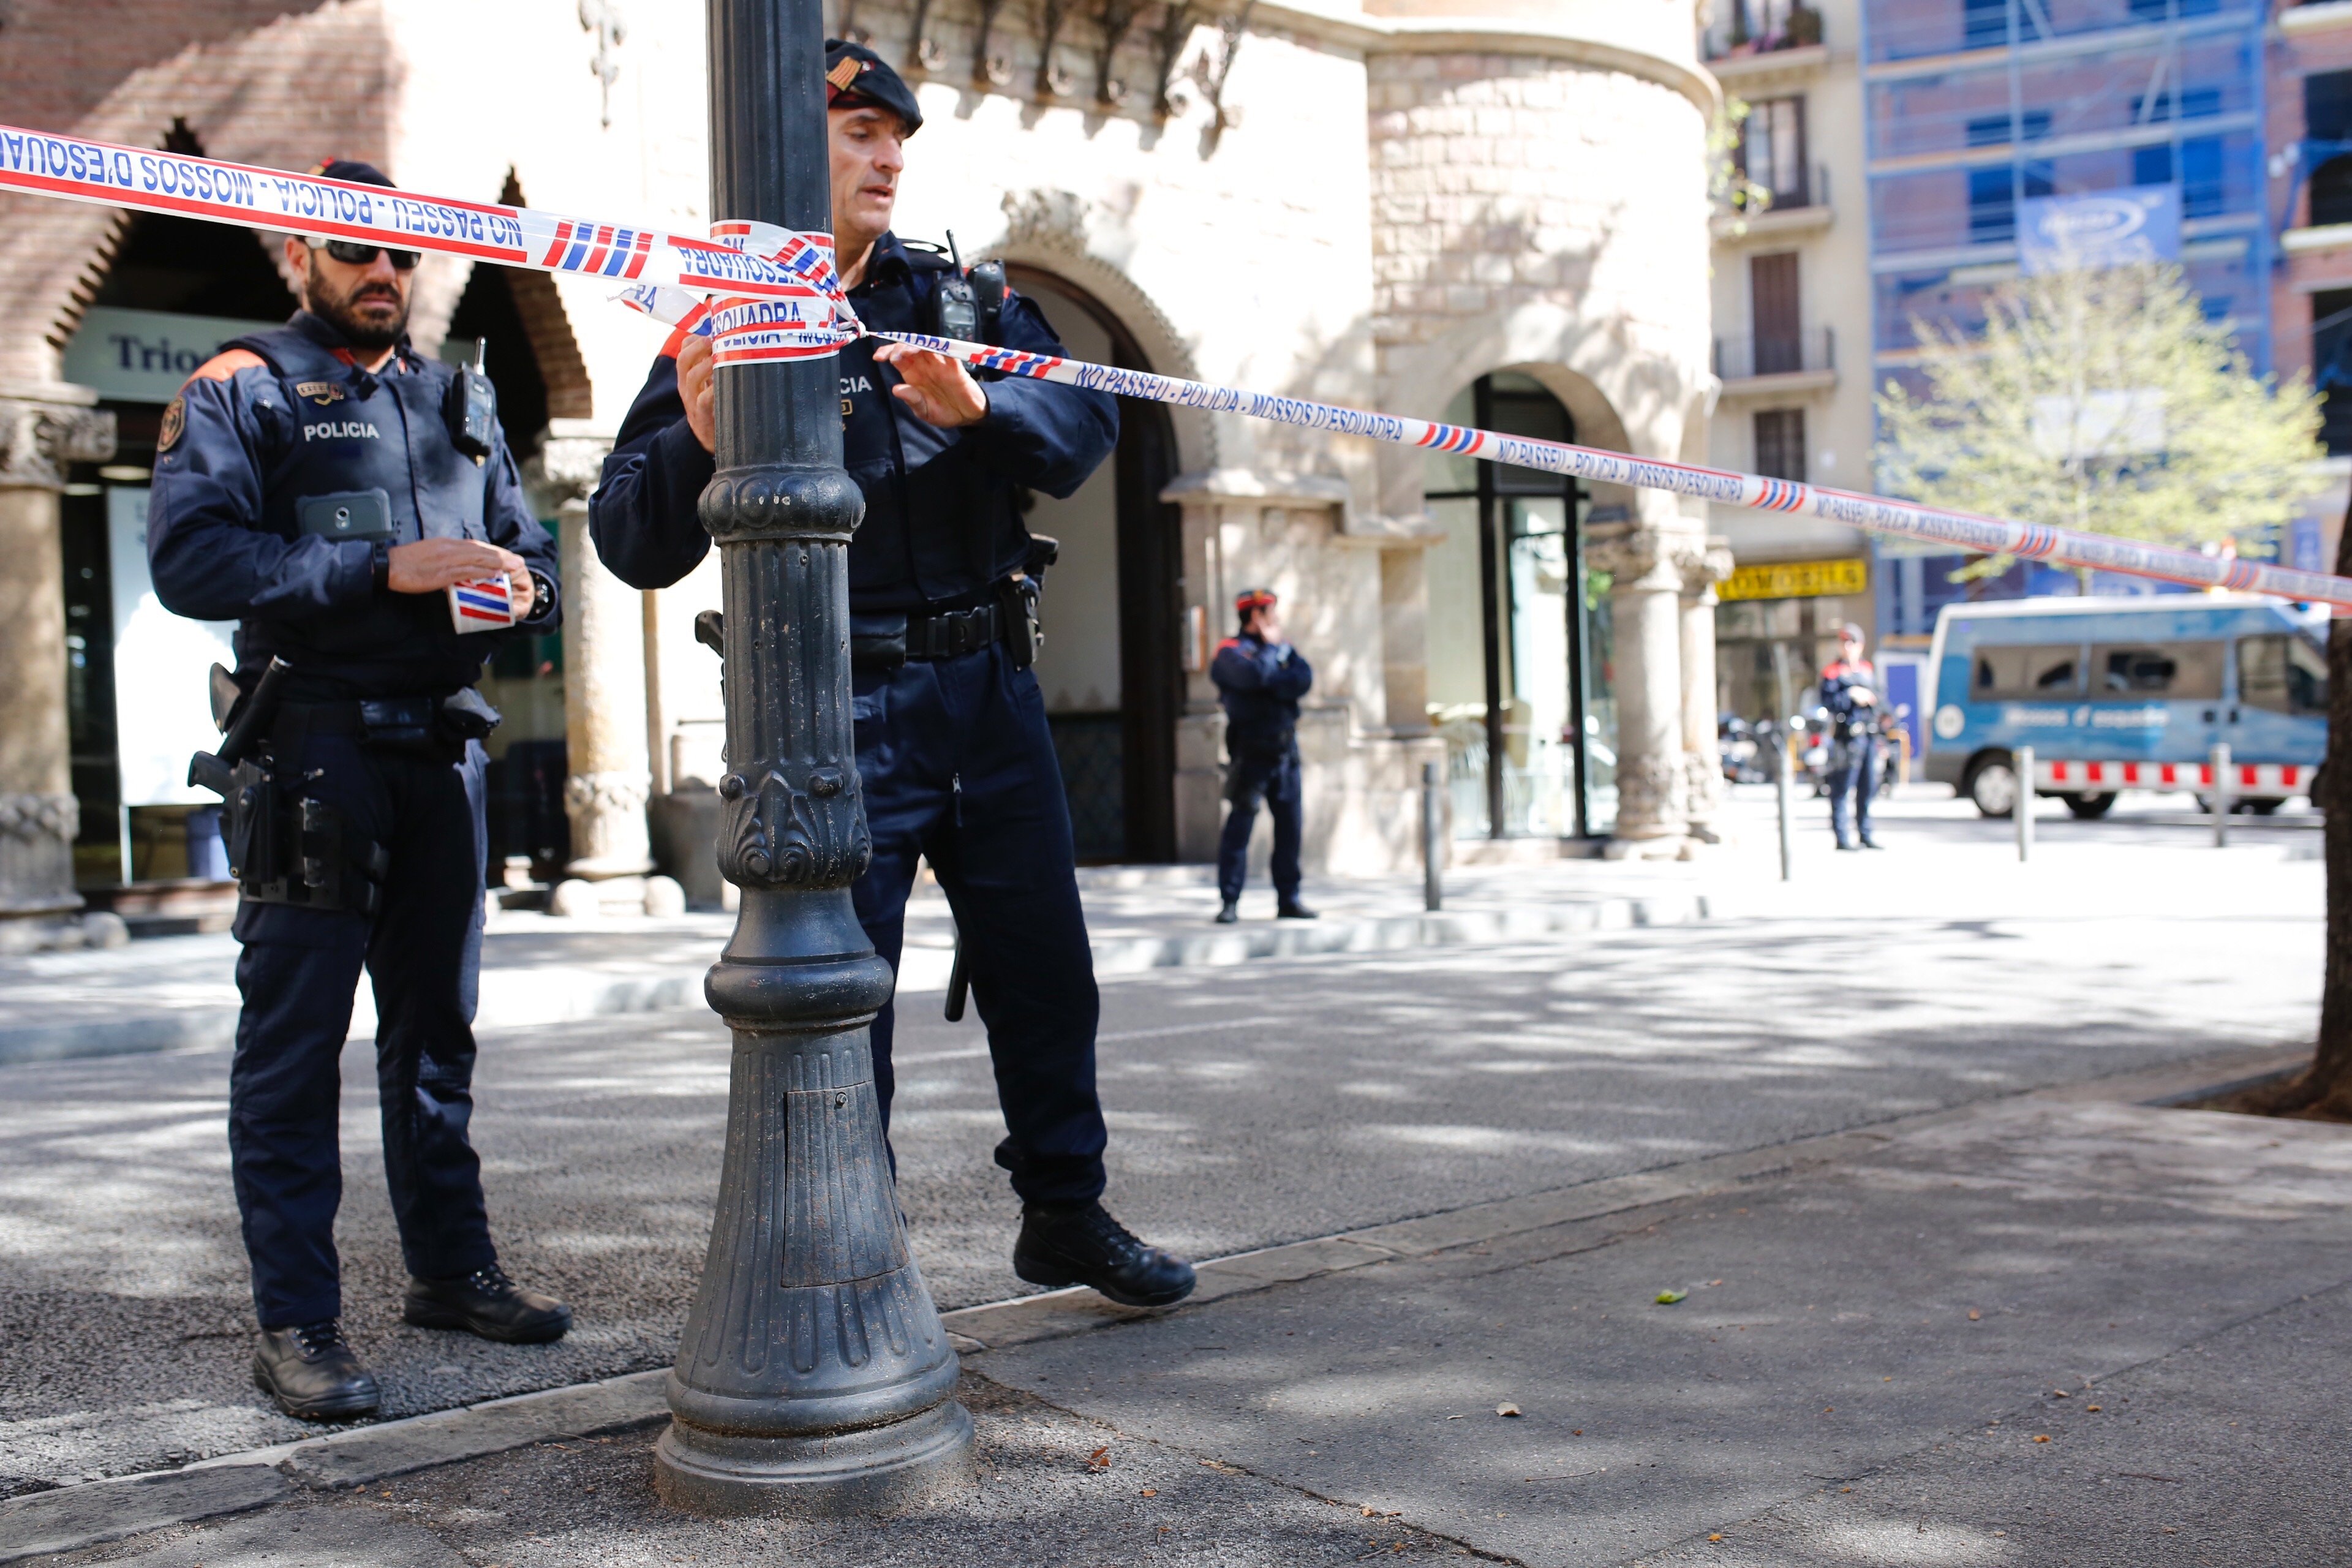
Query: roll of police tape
{"x":763,"y":294}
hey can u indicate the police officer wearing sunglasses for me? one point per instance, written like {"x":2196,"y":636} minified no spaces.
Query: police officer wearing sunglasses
{"x":321,"y":484}
{"x":953,"y":755}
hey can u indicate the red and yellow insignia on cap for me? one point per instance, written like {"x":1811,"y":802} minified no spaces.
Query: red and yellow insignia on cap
{"x":841,"y":76}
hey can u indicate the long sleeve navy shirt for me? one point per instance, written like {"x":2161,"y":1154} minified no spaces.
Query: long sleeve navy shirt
{"x":1259,"y":684}
{"x":942,"y":506}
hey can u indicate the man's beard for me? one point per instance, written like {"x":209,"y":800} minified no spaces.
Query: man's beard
{"x":336,"y":311}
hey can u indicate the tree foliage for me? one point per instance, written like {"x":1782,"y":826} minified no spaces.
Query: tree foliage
{"x":2101,"y":400}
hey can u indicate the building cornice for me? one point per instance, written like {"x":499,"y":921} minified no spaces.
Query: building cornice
{"x":1600,"y":46}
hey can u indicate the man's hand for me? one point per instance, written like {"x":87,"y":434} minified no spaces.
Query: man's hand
{"x":1269,"y":629}
{"x":430,"y":565}
{"x":937,"y":389}
{"x":694,"y":369}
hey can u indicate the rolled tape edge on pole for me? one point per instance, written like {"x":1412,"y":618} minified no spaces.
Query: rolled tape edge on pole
{"x":764,"y":293}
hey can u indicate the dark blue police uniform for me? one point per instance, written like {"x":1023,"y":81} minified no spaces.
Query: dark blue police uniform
{"x":1853,"y":749}
{"x":276,"y":418}
{"x":953,"y":752}
{"x":1259,"y":684}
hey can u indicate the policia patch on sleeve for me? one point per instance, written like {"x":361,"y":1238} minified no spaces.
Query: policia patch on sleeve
{"x":175,"y":419}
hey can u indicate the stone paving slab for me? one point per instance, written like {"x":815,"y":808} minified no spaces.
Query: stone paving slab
{"x":179,"y":992}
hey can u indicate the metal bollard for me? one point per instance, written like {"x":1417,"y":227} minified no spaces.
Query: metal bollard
{"x":2023,"y":810}
{"x":2219,"y":763}
{"x":1433,"y":823}
{"x":1781,"y":787}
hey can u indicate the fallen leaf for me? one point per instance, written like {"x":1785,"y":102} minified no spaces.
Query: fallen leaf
{"x":1370,"y":1514}
{"x":1712,"y":1283}
{"x":1715,"y":1537}
{"x":1972,"y":1314}
{"x":1099,"y":1459}
{"x":2092,"y":1408}
{"x":1506,"y":1408}
{"x":1831,"y":1411}
{"x":1151,"y":1492}
{"x":1578,"y":1433}
{"x":2042,"y":1437}
{"x":2060,"y":1393}
{"x":1668,"y":1298}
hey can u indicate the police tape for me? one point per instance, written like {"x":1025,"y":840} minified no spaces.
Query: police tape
{"x":779,"y":291}
{"x":763,"y":294}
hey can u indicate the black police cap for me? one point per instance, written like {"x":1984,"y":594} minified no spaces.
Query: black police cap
{"x":351,"y":171}
{"x":854,"y":76}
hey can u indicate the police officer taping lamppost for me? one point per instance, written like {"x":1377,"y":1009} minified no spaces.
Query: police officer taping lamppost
{"x":1260,"y":678}
{"x":326,"y":488}
{"x":954,"y":759}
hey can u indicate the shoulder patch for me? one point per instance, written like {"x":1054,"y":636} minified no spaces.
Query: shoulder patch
{"x":175,"y":419}
{"x":1229,"y":642}
{"x":221,"y":366}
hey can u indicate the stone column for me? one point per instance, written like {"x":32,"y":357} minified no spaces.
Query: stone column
{"x":44,"y":427}
{"x":609,"y":776}
{"x":1703,"y":566}
{"x":1645,"y":604}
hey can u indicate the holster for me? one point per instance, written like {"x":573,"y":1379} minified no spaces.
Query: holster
{"x":285,"y":849}
{"x":1016,"y":607}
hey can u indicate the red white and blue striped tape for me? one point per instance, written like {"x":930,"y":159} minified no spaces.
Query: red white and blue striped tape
{"x":766,"y":294}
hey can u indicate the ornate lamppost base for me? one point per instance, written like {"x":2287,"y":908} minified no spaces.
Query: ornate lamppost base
{"x":881,"y":1470}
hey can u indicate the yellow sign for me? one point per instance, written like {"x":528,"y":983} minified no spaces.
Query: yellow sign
{"x":1796,"y":580}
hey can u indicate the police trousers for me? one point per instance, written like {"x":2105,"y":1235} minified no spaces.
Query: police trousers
{"x":1273,"y":777}
{"x":1852,"y":773}
{"x":956,"y":766}
{"x":298,"y":974}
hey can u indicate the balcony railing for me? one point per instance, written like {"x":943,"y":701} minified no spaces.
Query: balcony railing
{"x":1747,"y":357}
{"x":1812,"y":190}
{"x":1761,"y":27}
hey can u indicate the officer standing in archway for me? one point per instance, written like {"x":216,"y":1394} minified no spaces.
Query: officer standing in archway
{"x":954,"y":758}
{"x":330,"y":490}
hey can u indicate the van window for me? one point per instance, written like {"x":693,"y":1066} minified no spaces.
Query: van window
{"x":2282,"y":674}
{"x":2028,"y":672}
{"x":2178,"y":672}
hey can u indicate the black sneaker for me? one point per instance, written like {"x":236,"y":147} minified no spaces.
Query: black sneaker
{"x":1081,"y":1245}
{"x":1229,"y":912}
{"x":314,"y":1375}
{"x":488,"y":1303}
{"x":1292,"y":910}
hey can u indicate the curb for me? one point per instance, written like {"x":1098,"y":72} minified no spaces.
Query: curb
{"x":523,"y":997}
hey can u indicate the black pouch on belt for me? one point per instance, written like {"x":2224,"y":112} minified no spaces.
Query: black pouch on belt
{"x":402,"y":726}
{"x":878,"y":642}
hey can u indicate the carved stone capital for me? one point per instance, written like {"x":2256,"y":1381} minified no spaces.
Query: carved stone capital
{"x":32,"y":818}
{"x":570,"y":461}
{"x":44,"y":428}
{"x":1704,"y":563}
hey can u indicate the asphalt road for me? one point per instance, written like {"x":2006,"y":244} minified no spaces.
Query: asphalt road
{"x":1248,"y":1105}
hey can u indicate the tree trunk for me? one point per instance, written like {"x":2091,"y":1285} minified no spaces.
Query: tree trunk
{"x":2324,"y":1089}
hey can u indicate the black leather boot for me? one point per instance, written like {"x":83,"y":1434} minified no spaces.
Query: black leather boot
{"x":1080,"y":1243}
{"x":1230,"y":912}
{"x":1290,"y":909}
{"x":488,"y":1303}
{"x":314,"y":1375}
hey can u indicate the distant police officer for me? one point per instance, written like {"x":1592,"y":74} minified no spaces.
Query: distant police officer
{"x":313,"y":484}
{"x":953,"y":753}
{"x":1260,"y":678}
{"x":1850,"y":693}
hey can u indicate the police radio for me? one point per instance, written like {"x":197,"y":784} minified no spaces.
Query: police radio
{"x":470,"y":409}
{"x":968,"y":305}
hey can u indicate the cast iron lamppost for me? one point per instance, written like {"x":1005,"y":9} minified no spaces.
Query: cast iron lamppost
{"x":814,"y":1376}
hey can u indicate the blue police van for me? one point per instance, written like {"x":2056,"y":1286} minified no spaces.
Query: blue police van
{"x":2127,"y":693}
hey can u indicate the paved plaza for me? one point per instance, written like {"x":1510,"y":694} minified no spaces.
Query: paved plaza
{"x":1892,"y":1128}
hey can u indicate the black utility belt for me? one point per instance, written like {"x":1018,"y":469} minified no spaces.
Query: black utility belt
{"x":886,"y":641}
{"x":433,"y":727}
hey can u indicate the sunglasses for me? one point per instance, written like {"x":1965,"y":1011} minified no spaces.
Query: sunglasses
{"x":352,"y":253}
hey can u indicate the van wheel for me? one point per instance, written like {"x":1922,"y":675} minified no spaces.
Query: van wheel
{"x":2091,"y":807}
{"x":2265,"y":807}
{"x":1991,"y":784}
